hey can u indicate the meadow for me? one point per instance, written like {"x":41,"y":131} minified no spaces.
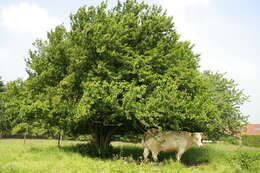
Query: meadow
{"x":43,"y":156}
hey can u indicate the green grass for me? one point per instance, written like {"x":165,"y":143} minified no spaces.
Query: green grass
{"x":43,"y":156}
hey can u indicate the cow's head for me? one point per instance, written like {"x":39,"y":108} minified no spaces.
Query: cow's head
{"x":197,"y":139}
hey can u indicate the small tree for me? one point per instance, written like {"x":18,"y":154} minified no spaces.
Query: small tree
{"x":22,"y":113}
{"x":226,"y":100}
{"x":3,"y":125}
{"x":58,"y":116}
{"x":10,"y":105}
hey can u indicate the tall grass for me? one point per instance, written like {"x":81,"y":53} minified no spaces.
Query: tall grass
{"x":43,"y":156}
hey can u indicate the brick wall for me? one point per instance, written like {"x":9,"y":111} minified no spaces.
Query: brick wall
{"x":251,"y":129}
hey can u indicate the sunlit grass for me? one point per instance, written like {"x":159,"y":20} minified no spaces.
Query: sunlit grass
{"x":41,"y":156}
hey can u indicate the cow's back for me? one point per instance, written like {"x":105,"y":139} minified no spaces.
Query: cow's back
{"x":174,"y":141}
{"x":167,"y":141}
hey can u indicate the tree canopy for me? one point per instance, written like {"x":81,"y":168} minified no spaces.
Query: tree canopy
{"x":124,"y":70}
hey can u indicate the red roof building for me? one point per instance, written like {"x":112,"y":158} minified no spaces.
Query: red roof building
{"x":251,"y":129}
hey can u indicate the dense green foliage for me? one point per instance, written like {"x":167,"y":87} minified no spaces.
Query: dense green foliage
{"x":251,"y":140}
{"x":118,"y":71}
{"x":22,"y":115}
{"x":43,"y":156}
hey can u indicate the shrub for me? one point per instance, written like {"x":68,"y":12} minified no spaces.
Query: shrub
{"x":251,"y":140}
{"x":128,"y":138}
{"x":195,"y":156}
{"x":247,"y":160}
{"x":230,"y":139}
{"x":84,"y":138}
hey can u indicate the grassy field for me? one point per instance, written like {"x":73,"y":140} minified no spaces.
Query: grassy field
{"x":43,"y":156}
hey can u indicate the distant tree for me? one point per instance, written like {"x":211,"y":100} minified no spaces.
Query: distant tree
{"x":2,"y":118}
{"x":225,"y":116}
{"x":124,"y":70}
{"x":10,"y":105}
{"x":1,"y":85}
{"x":22,"y":113}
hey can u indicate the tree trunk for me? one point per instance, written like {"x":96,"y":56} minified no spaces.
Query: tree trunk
{"x":102,"y":143}
{"x":24,"y":138}
{"x":60,"y":138}
{"x":102,"y":136}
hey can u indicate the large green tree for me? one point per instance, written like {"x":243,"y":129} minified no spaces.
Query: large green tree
{"x":123,"y":70}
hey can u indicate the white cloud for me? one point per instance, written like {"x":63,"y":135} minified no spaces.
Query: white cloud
{"x":12,"y":64}
{"x":214,"y":36}
{"x":20,"y":25}
{"x":179,"y":9}
{"x":26,"y":17}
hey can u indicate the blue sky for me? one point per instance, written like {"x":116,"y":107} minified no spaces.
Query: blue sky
{"x":225,"y":33}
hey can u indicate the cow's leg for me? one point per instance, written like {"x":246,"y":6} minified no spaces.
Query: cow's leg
{"x":155,"y":154}
{"x":146,"y":153}
{"x":179,"y":154}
